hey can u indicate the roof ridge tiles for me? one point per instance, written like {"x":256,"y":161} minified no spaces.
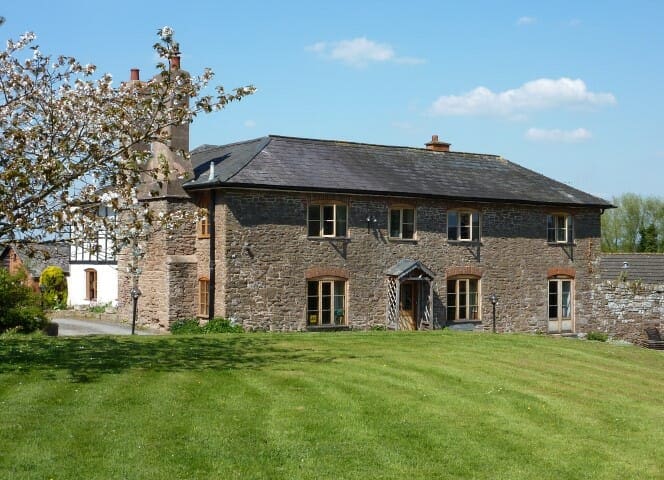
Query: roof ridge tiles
{"x":405,"y":147}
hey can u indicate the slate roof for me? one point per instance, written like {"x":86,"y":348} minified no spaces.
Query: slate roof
{"x":646,"y":267}
{"x":404,"y":266}
{"x":288,"y":163}
{"x":36,"y":257}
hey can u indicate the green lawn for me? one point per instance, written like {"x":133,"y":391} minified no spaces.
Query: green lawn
{"x":342,"y":406}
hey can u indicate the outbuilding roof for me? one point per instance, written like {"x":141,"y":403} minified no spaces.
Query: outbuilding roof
{"x":288,"y":163}
{"x":645,"y":267}
{"x":37,"y":256}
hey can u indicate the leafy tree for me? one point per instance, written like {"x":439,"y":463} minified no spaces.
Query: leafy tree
{"x":19,"y":305}
{"x":623,"y":228}
{"x":68,"y":135}
{"x":648,"y":239}
{"x":54,"y":284}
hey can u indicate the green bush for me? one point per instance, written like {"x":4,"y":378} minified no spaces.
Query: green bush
{"x":55,"y":287}
{"x":191,"y":326}
{"x":99,"y":308}
{"x":221,"y":325}
{"x":186,"y":326}
{"x":20,"y":309}
{"x":598,"y":336}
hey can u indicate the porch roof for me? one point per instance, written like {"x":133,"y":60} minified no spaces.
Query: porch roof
{"x":405,"y":266}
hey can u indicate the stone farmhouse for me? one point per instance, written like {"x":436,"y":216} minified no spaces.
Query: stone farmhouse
{"x":305,"y":234}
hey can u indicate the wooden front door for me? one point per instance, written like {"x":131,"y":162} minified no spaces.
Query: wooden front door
{"x":408,"y":306}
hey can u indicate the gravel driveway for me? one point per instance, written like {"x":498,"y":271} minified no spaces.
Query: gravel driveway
{"x":68,"y":327}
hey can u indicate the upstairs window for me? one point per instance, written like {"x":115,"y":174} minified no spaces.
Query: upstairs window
{"x":463,"y":226}
{"x":203,"y":226}
{"x":327,"y":220}
{"x":402,"y":223}
{"x":559,"y":228}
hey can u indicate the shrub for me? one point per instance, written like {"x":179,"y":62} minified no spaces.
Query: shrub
{"x":186,"y":326}
{"x":191,"y":326}
{"x":99,"y":308}
{"x":598,"y":336}
{"x":55,"y":287}
{"x":20,"y":309}
{"x":378,"y":327}
{"x":221,"y":325}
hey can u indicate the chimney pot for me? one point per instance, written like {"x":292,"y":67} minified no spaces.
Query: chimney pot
{"x":135,"y":75}
{"x":437,"y":146}
{"x":175,"y":62}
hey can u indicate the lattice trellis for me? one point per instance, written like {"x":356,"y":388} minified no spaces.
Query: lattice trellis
{"x":392,"y":303}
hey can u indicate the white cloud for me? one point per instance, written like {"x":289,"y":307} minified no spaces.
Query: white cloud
{"x":359,"y":52}
{"x":249,"y":123}
{"x":541,"y":94}
{"x":558,"y":136}
{"x":526,"y":20}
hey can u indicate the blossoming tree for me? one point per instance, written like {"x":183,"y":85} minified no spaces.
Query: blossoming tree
{"x":70,"y":139}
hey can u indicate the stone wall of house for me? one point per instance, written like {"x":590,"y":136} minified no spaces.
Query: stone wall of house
{"x":203,"y":257}
{"x":169,"y":270}
{"x":268,"y":254}
{"x":625,"y":308}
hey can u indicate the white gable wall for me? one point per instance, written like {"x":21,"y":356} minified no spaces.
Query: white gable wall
{"x":107,"y":284}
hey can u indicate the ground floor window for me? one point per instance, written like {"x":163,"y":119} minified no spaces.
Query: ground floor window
{"x":463,"y":299}
{"x":91,"y":284}
{"x":326,"y":302}
{"x":203,"y":297}
{"x":561,"y":307}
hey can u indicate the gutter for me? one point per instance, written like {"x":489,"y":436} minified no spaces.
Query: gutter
{"x":211,"y":225}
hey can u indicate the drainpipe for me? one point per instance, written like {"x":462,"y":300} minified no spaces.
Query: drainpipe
{"x":211,"y":225}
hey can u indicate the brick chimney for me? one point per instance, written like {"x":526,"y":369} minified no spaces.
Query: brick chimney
{"x":437,"y":146}
{"x":135,"y":75}
{"x":174,"y":59}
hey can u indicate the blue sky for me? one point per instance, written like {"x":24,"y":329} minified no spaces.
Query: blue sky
{"x":573,"y":90}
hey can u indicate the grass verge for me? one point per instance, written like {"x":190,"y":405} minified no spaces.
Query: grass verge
{"x":379,"y":405}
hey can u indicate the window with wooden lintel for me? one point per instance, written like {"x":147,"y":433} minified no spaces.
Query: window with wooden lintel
{"x":326,"y":302}
{"x":463,"y":226}
{"x":203,"y":225}
{"x":463,"y":299}
{"x":559,"y":228}
{"x":327,"y":220}
{"x":402,"y":223}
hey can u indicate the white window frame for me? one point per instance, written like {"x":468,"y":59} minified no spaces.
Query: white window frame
{"x":474,"y":226}
{"x":335,"y":319}
{"x":335,"y":220}
{"x":401,"y":209}
{"x":473,"y":312}
{"x":560,"y":322}
{"x":559,"y":228}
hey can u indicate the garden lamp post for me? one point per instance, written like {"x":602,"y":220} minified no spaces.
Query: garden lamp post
{"x":494,"y":299}
{"x":135,"y":293}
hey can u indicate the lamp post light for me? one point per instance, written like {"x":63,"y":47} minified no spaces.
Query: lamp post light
{"x":135,"y":293}
{"x":494,"y":299}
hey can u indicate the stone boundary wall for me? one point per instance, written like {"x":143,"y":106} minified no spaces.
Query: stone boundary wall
{"x":625,"y":308}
